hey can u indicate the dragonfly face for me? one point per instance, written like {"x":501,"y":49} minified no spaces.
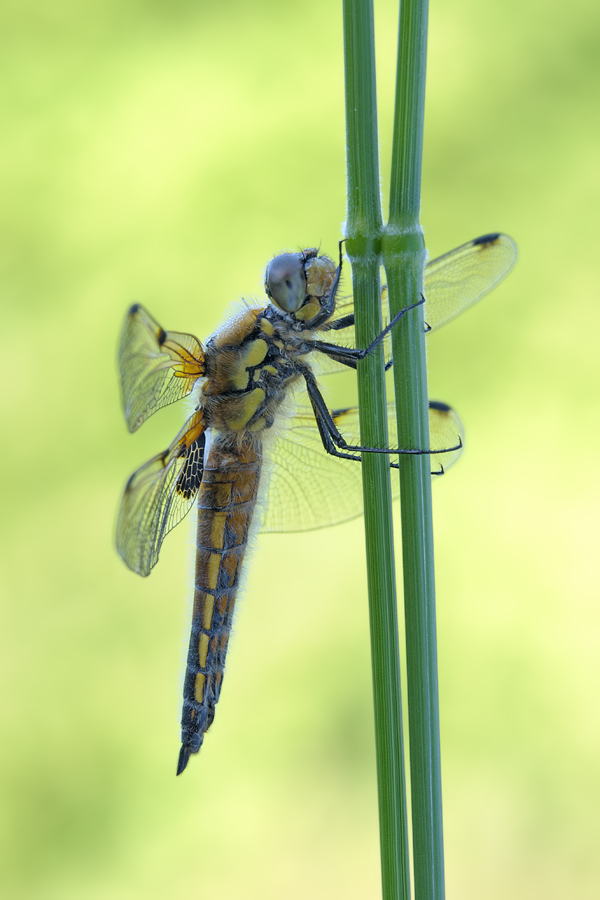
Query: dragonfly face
{"x":303,"y":285}
{"x":240,"y":383}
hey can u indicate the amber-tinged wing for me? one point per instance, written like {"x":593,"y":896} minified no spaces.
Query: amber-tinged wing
{"x":157,"y":367}
{"x":456,"y":280}
{"x":309,"y":489}
{"x":159,"y":495}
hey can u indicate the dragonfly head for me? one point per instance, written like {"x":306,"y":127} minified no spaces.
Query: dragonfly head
{"x":285,"y":281}
{"x":301,"y":284}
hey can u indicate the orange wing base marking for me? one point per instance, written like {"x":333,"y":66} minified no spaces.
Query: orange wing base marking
{"x":188,"y":366}
{"x":196,"y":428}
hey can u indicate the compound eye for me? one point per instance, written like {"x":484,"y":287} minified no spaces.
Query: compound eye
{"x":285,"y":281}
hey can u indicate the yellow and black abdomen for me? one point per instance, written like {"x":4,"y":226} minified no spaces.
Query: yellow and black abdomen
{"x":246,"y":378}
{"x":226,"y":502}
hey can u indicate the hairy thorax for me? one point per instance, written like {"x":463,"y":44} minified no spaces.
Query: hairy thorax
{"x":250,"y":364}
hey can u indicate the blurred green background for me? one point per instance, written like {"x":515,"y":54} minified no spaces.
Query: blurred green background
{"x":162,"y":153}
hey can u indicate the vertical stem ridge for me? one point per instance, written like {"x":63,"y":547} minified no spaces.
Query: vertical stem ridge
{"x":363,"y":232}
{"x":404,"y":258}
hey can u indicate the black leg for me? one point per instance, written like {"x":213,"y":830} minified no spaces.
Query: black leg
{"x":344,"y":322}
{"x":331,"y":436}
{"x":343,"y":354}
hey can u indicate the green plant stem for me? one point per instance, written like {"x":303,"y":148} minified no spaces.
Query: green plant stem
{"x":363,"y":232}
{"x":404,"y":258}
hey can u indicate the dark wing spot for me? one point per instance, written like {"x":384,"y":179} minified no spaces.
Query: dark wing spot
{"x":133,"y":309}
{"x":162,"y":337}
{"x":437,"y":404}
{"x":340,"y":412}
{"x":191,"y":473}
{"x":486,"y":239}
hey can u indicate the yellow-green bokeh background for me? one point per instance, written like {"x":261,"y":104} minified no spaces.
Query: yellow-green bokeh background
{"x":162,"y":153}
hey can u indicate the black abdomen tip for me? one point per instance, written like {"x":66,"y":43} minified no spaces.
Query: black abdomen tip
{"x":184,"y":756}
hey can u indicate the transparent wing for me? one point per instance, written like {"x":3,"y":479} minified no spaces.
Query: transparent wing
{"x":456,"y":280}
{"x":158,"y":495}
{"x":310,"y":489}
{"x":156,"y":367}
{"x":445,"y":430}
{"x":452,"y":283}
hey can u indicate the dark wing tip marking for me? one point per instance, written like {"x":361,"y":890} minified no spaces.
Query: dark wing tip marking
{"x":439,"y":405}
{"x":487,"y":239}
{"x":184,"y":758}
{"x":134,"y":309}
{"x":161,"y":337}
{"x":129,"y":483}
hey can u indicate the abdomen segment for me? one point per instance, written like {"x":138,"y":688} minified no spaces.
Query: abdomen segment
{"x":226,"y":502}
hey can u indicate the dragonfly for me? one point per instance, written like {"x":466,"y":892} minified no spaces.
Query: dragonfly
{"x":253,"y":453}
